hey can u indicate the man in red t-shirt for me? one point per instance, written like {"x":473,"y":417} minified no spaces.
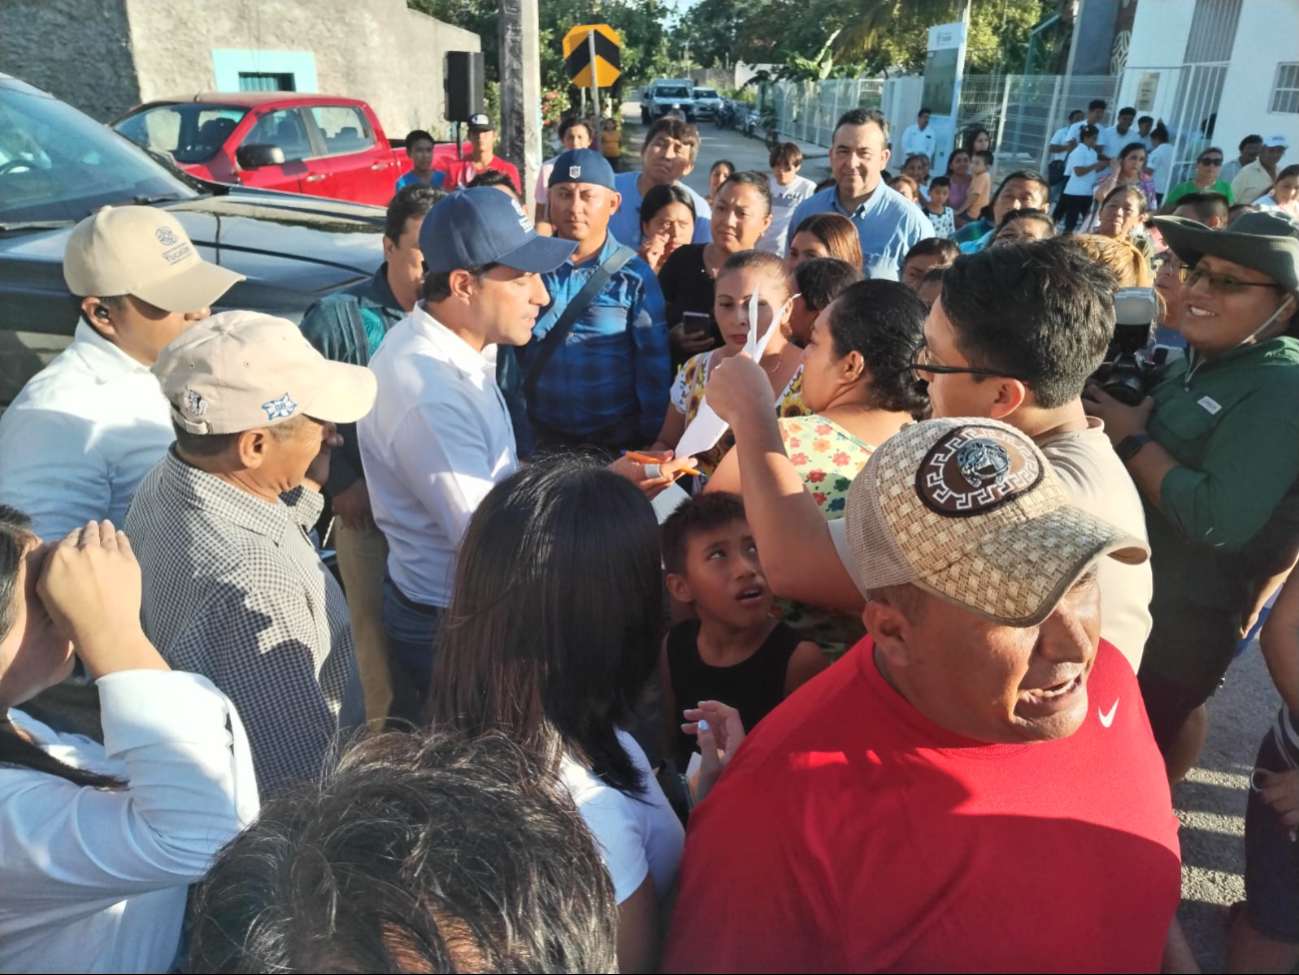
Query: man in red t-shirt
{"x":974,"y":787}
{"x":482,"y":137}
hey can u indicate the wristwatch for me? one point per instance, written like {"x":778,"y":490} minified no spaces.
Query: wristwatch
{"x":1128,"y":447}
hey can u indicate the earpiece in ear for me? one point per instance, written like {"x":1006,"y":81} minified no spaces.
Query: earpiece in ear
{"x":101,"y":312}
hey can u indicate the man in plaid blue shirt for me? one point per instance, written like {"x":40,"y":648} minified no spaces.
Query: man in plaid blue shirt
{"x":607,"y":384}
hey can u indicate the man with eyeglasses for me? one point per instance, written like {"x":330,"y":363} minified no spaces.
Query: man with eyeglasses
{"x":1014,"y":336}
{"x":1214,"y":450}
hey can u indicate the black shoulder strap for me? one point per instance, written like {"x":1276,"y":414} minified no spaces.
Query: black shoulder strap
{"x":576,"y":308}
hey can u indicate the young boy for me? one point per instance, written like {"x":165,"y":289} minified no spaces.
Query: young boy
{"x":419,"y":147}
{"x":817,"y":283}
{"x":735,"y":652}
{"x":1082,"y":166}
{"x":980,"y":192}
{"x":788,"y":190}
{"x":937,"y":210}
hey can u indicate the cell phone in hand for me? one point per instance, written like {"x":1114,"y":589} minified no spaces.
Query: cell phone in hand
{"x":695,"y":323}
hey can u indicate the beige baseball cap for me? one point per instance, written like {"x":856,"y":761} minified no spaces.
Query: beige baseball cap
{"x":144,"y":252}
{"x":241,"y":370}
{"x":970,"y":510}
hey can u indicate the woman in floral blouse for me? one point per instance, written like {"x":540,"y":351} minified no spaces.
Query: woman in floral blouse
{"x":857,"y":382}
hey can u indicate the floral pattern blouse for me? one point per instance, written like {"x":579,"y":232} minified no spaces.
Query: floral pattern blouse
{"x":688,"y":393}
{"x":827,"y":457}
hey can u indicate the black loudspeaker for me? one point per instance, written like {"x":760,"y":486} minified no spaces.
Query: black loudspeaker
{"x":463,"y":82}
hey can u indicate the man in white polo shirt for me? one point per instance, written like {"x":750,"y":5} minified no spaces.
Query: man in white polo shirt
{"x":84,"y":431}
{"x":439,"y":436}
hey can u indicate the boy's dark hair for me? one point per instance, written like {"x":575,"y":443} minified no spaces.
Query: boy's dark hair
{"x":985,"y":155}
{"x":923,"y":111}
{"x":750,"y":177}
{"x":1205,"y":206}
{"x":940,"y":247}
{"x":884,"y":322}
{"x":1063,"y":319}
{"x":412,"y":201}
{"x":418,"y":135}
{"x":787,"y":153}
{"x":1097,"y":103}
{"x":1146,"y":118}
{"x":863,"y":116}
{"x":1129,"y":110}
{"x":1249,"y":140}
{"x":940,"y":181}
{"x":674,"y":128}
{"x":449,"y":855}
{"x":493,"y":177}
{"x":1076,"y":115}
{"x":697,"y":514}
{"x":822,"y":279}
{"x":560,"y":664}
{"x":574,"y":120}
{"x":1027,"y":176}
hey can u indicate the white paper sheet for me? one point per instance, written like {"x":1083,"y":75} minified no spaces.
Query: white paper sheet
{"x":667,"y":501}
{"x":707,"y":427}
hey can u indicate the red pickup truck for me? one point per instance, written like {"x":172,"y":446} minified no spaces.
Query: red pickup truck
{"x":313,"y":144}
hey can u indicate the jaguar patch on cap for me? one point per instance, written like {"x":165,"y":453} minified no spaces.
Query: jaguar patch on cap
{"x":974,"y":469}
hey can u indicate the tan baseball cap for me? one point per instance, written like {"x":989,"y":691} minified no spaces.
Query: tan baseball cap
{"x":241,"y":370}
{"x":970,"y":510}
{"x":143,"y":252}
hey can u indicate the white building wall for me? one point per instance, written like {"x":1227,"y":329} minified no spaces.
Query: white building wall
{"x":1266,"y":35}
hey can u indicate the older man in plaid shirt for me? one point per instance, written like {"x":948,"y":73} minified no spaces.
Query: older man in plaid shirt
{"x":233,"y":587}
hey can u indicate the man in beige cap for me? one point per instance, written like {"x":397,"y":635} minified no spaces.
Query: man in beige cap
{"x":85,"y":430}
{"x":974,"y":787}
{"x":233,"y":587}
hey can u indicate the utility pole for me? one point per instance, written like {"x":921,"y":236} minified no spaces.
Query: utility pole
{"x":520,"y":73}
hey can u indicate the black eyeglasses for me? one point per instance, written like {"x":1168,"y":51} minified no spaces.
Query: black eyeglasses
{"x":922,"y":361}
{"x":1223,"y":284}
{"x":1211,"y":161}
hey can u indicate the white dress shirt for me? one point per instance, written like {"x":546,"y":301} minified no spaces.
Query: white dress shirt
{"x":918,"y":142}
{"x":437,"y":440}
{"x":1060,"y":138}
{"x":81,"y":436}
{"x":95,"y":880}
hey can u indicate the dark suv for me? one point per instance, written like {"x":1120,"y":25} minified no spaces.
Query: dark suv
{"x":57,"y":166}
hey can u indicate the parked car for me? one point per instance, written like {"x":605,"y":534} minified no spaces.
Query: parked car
{"x":313,"y":144}
{"x":57,"y":165}
{"x":707,"y":103}
{"x":668,"y":98}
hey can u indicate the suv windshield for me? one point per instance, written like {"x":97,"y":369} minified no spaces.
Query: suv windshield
{"x":705,"y":93}
{"x":672,"y":91}
{"x":192,"y":132}
{"x":58,"y":165}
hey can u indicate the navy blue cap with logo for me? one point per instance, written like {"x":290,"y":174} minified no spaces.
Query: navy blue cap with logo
{"x":582,"y":166}
{"x":470,"y":228}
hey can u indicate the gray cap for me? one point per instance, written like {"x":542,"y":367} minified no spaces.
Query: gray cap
{"x":1266,"y":242}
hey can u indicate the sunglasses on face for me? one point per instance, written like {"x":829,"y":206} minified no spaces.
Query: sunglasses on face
{"x":922,"y":360}
{"x":1211,"y":161}
{"x":1223,"y":284}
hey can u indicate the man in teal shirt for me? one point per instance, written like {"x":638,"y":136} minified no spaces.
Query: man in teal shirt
{"x":348,"y":326}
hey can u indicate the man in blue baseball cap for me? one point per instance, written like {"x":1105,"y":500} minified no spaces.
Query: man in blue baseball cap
{"x":439,"y":436}
{"x":598,"y":369}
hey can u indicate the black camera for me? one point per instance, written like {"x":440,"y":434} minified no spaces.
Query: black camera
{"x":1127,"y":373}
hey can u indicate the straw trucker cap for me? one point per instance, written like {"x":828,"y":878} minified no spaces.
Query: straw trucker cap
{"x":241,"y":370}
{"x":479,"y":226}
{"x":133,"y":250}
{"x":1266,"y":241}
{"x":970,"y":510}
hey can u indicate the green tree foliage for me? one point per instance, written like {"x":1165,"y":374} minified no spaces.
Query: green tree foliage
{"x":821,"y":38}
{"x":640,"y":24}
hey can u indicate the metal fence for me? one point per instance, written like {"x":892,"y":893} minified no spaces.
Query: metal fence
{"x":808,"y":110}
{"x":1021,"y":112}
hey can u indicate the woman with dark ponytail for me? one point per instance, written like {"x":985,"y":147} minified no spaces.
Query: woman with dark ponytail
{"x":98,"y":843}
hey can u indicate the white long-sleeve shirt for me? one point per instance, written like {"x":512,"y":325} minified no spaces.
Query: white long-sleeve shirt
{"x":79,"y":438}
{"x":437,"y":440}
{"x":95,"y":880}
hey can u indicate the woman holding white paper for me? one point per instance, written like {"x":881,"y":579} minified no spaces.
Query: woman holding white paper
{"x":750,"y":285}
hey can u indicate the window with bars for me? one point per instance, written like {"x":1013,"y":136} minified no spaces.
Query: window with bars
{"x":1285,"y":90}
{"x":1213,"y":31}
{"x":266,"y":81}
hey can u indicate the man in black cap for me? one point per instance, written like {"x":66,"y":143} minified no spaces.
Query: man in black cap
{"x":598,"y":368}
{"x":482,"y":137}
